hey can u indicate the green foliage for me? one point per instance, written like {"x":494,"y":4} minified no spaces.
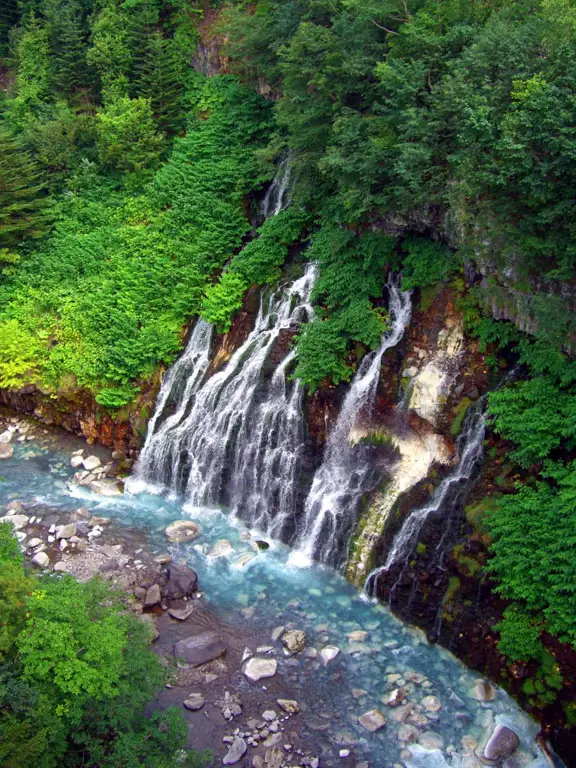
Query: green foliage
{"x":352,"y":274}
{"x":21,"y":187}
{"x":76,"y":674}
{"x":20,"y":355}
{"x":426,"y":262}
{"x":127,"y":138}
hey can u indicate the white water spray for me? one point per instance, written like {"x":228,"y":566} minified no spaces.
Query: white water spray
{"x":347,"y":472}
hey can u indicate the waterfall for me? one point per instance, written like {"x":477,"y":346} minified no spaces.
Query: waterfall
{"x":236,"y":437}
{"x":446,"y":496}
{"x":276,"y":197}
{"x":347,"y":471}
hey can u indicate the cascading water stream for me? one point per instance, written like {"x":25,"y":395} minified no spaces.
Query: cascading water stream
{"x":447,"y":495}
{"x":277,"y":197}
{"x":347,"y":472}
{"x":236,"y":437}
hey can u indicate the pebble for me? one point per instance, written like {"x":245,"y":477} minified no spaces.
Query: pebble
{"x":194,"y":702}
{"x":329,"y":653}
{"x":431,"y":703}
{"x":372,"y":720}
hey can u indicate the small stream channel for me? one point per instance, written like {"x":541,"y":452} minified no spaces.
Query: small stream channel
{"x":257,"y":591}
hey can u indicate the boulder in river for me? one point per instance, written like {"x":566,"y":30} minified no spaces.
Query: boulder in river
{"x":182,"y":530}
{"x":194,"y":702}
{"x":6,"y":451}
{"x":501,"y":745}
{"x":237,"y":750}
{"x":199,"y":649}
{"x":372,"y":720}
{"x":16,"y":521}
{"x":90,"y":463}
{"x":329,"y":653}
{"x":153,"y":596}
{"x":41,"y":560}
{"x":483,"y":691}
{"x":105,"y":487}
{"x":257,"y":668}
{"x":182,"y":582}
{"x":294,"y":640}
{"x":181,"y":614}
{"x":288,"y":705}
{"x":66,"y":531}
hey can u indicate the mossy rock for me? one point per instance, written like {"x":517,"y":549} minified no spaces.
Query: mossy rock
{"x":459,"y":414}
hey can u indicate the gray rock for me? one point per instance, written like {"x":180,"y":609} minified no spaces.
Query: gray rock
{"x":148,"y":619}
{"x":6,"y":451}
{"x":372,"y":720}
{"x":194,"y":702}
{"x":140,"y":593}
{"x":60,"y":567}
{"x":407,"y":734}
{"x":41,"y":560}
{"x":105,"y":487}
{"x":277,"y":632}
{"x":15,"y":507}
{"x":221,"y":548}
{"x":163,"y":559}
{"x":501,"y":745}
{"x":199,"y":649}
{"x":409,"y":373}
{"x":182,"y":582}
{"x":288,"y":705}
{"x":294,"y":640}
{"x":431,"y":740}
{"x":6,"y":437}
{"x":269,"y":715}
{"x":76,"y":461}
{"x":274,"y":757}
{"x":109,"y":565}
{"x":66,"y":531}
{"x":94,"y":520}
{"x":431,"y":703}
{"x":153,"y":596}
{"x":237,"y":750}
{"x":329,"y":653}
{"x":181,"y":614}
{"x":257,"y":668}
{"x":483,"y":691}
{"x":182,"y":530}
{"x":34,"y":542}
{"x":16,"y":521}
{"x":257,"y":761}
{"x":90,"y":463}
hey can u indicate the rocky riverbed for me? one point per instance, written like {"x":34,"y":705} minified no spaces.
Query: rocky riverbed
{"x":272,"y":667}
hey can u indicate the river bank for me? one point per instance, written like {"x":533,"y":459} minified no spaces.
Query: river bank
{"x":354,"y":658}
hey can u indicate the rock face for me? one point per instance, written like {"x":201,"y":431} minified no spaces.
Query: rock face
{"x":199,"y":649}
{"x":257,"y":668}
{"x":294,"y":640}
{"x":182,"y":530}
{"x":501,"y":745}
{"x":182,"y":582}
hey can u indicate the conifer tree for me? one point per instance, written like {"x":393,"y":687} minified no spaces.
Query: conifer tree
{"x":161,"y":81}
{"x":21,"y":187}
{"x":68,"y":40}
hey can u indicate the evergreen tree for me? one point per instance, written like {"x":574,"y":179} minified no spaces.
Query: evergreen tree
{"x":21,"y":187}
{"x":9,"y":17}
{"x":68,"y":40}
{"x":161,"y":81}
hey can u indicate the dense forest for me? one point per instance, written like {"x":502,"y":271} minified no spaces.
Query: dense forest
{"x":432,"y":137}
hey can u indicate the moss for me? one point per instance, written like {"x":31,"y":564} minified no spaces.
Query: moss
{"x":459,"y":414}
{"x":377,"y":438}
{"x":405,"y":383}
{"x":475,"y":513}
{"x":468,"y":565}
{"x":428,"y":294}
{"x":420,"y":548}
{"x":453,"y":587}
